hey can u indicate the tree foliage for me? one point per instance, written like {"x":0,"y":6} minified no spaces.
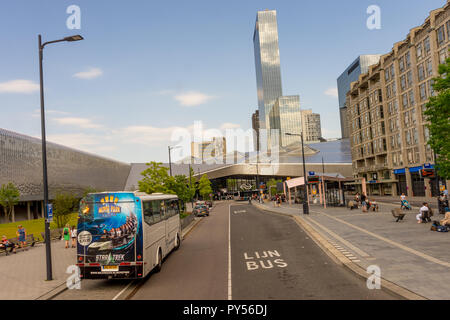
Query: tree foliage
{"x":9,"y":197}
{"x":157,"y":179}
{"x":272,"y":186}
{"x":437,"y":114}
{"x":204,"y":187}
{"x":64,"y":205}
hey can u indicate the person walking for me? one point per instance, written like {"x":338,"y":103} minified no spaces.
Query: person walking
{"x":73,"y":234}
{"x":22,"y":236}
{"x":66,"y":235}
{"x":364,"y":202}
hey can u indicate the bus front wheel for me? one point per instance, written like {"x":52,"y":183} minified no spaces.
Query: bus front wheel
{"x":178,"y":244}
{"x":159,"y":265}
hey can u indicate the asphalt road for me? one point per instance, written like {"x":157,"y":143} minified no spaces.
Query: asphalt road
{"x":271,"y":258}
{"x":198,"y":270}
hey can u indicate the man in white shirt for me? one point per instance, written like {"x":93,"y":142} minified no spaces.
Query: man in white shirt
{"x":423,"y":215}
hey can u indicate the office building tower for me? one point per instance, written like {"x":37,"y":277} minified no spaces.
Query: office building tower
{"x":312,"y":130}
{"x":388,"y":128}
{"x":267,"y":63}
{"x":286,"y":116}
{"x":209,"y":151}
{"x":255,"y":126}
{"x":357,"y":67}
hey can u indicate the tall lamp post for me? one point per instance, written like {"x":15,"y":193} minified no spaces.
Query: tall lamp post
{"x":305,"y":193}
{"x":44,"y":149}
{"x":170,"y":160}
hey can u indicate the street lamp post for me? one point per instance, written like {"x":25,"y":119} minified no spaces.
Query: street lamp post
{"x":170,"y":160}
{"x":44,"y":149}
{"x":305,"y":192}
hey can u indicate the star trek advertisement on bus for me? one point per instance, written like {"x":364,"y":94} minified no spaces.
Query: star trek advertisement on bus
{"x":110,"y":228}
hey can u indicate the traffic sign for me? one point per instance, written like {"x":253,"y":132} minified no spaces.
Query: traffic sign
{"x":49,"y":212}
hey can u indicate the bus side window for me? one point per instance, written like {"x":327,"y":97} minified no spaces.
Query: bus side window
{"x":170,"y":209}
{"x":163,"y":210}
{"x":156,"y":207}
{"x":148,"y":215}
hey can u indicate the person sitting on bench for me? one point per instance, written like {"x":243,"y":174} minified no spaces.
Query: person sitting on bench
{"x":5,"y":244}
{"x":373,"y":205}
{"x":446,"y":220}
{"x":424,"y":214}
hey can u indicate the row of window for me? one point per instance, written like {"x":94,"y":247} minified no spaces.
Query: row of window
{"x":157,"y":210}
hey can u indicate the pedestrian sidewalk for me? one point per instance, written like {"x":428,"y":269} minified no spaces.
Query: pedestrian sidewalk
{"x":408,"y":254}
{"x":413,"y":201}
{"x":23,"y":275}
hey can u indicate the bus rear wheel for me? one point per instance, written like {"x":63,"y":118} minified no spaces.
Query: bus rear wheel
{"x":159,"y":265}
{"x":177,"y":246}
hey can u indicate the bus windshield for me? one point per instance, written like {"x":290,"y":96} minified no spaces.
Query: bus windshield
{"x":108,"y":225}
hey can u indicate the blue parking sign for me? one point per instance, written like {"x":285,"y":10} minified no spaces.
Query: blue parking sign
{"x":49,"y":212}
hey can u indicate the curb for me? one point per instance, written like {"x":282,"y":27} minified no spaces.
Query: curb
{"x":53,"y":292}
{"x":340,"y":259}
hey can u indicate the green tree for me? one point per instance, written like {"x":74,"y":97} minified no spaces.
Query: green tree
{"x":204,"y":187}
{"x":272,"y":186}
{"x":178,"y":185}
{"x":9,"y":197}
{"x":438,"y":116}
{"x":155,"y":178}
{"x":64,"y":205}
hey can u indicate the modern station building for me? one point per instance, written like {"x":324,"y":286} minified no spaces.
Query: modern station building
{"x":331,"y":158}
{"x":385,"y":112}
{"x":69,"y":170}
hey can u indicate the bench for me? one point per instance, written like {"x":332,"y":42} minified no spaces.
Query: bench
{"x":397,"y":213}
{"x":29,"y":240}
{"x":55,"y":234}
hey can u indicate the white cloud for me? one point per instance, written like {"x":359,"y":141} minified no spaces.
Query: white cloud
{"x":332,"y":92}
{"x":19,"y":86}
{"x":82,"y":141}
{"x":84,"y":123}
{"x":228,"y":125}
{"x":90,"y":74}
{"x":146,"y":135}
{"x":192,"y":98}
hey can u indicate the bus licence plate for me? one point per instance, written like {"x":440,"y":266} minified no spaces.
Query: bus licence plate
{"x":110,"y":268}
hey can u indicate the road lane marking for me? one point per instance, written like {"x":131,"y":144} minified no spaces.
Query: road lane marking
{"x":122,"y":291}
{"x":229,"y":252}
{"x":393,"y":243}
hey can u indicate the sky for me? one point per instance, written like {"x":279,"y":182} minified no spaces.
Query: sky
{"x":148,"y":71}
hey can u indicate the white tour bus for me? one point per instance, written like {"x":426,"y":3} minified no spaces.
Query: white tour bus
{"x":126,"y":234}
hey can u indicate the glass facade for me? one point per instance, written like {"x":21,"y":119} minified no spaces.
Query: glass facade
{"x":68,"y":169}
{"x":351,"y":74}
{"x":287,"y":116}
{"x":267,"y":63}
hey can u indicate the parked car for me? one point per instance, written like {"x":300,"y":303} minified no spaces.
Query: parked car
{"x":209,"y":203}
{"x":201,"y":210}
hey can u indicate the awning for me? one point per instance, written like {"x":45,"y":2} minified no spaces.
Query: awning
{"x":295,"y":182}
{"x":415,"y":169}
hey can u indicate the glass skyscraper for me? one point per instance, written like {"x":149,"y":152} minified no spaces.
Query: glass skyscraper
{"x":267,"y":63}
{"x":351,"y":74}
{"x":286,"y":116}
